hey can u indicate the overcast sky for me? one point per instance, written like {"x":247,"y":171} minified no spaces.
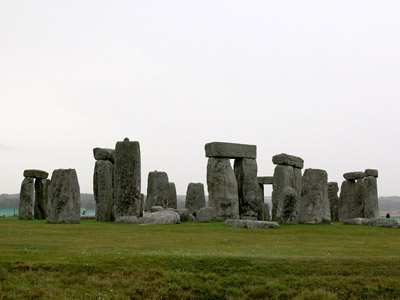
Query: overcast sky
{"x":317,"y":79}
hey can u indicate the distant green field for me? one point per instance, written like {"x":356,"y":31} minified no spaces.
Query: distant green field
{"x":197,"y":261}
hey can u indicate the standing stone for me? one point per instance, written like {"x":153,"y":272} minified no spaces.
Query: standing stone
{"x":127,"y":178}
{"x":283,"y":177}
{"x":195,"y":198}
{"x":141,"y":205}
{"x":172,"y":199}
{"x":157,"y":190}
{"x":359,"y":197}
{"x":298,"y":182}
{"x":222,"y":188}
{"x":371,"y":206}
{"x":264,"y":212}
{"x":64,"y":204}
{"x":260,"y":194}
{"x":41,"y":198}
{"x":333,"y":190}
{"x":347,"y":209}
{"x":26,"y":199}
{"x":315,"y":207}
{"x":286,"y":213}
{"x":246,"y":176}
{"x":103,"y":189}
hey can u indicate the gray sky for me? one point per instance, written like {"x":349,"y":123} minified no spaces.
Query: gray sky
{"x":317,"y":79}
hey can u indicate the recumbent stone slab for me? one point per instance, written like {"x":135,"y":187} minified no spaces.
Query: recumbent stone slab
{"x":104,"y":154}
{"x":286,"y":159}
{"x":206,"y":214}
{"x":157,"y":190}
{"x":26,"y":199}
{"x":160,"y":218}
{"x":64,"y":204}
{"x":230,"y":150}
{"x":36,"y":174}
{"x":127,"y":178}
{"x":195,"y":198}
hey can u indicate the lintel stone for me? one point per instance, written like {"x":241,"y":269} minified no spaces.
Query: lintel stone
{"x":230,"y":150}
{"x":33,"y":173}
{"x":353,"y":175}
{"x":286,"y":159}
{"x":371,"y":172}
{"x":265,"y":179}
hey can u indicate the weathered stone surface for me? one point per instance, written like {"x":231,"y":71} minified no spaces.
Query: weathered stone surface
{"x":156,"y":208}
{"x":264,"y":212}
{"x":298,"y":183}
{"x":347,"y":206}
{"x":206,"y":214}
{"x":315,"y":207}
{"x":103,"y":190}
{"x":195,"y":198}
{"x":184,"y":214}
{"x":127,"y":179}
{"x":157,"y":190}
{"x":265,"y":179}
{"x":286,"y":159}
{"x":64,"y":204}
{"x":192,"y":218}
{"x":260,"y":194}
{"x":383,"y":222}
{"x":371,"y":172}
{"x":353,"y":175}
{"x":230,"y":150}
{"x":36,"y":174}
{"x":333,"y":197}
{"x":172,"y":199}
{"x":236,"y":223}
{"x":127,"y":219}
{"x":104,"y":154}
{"x":261,"y":224}
{"x":160,"y":217}
{"x":41,"y":198}
{"x":355,"y":221}
{"x":141,"y":205}
{"x":283,"y":177}
{"x":222,"y":188}
{"x":286,"y":213}
{"x":26,"y":199}
{"x":371,"y":205}
{"x":359,"y":198}
{"x":246,"y":176}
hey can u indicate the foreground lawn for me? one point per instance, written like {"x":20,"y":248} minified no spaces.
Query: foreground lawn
{"x":197,"y":261}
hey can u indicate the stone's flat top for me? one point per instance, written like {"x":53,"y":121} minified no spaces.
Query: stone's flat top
{"x":286,"y":159}
{"x":104,"y":154}
{"x":250,"y":224}
{"x":353,"y":175}
{"x":371,"y":172}
{"x":383,"y":222}
{"x":265,"y":179}
{"x":355,"y":221}
{"x":36,"y":174}
{"x":230,"y":150}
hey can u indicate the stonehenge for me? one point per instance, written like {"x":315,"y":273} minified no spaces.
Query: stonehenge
{"x":359,"y":195}
{"x":157,"y":190}
{"x":333,"y":197}
{"x":127,"y":179}
{"x":64,"y":204}
{"x":287,"y":174}
{"x":286,"y":212}
{"x":172,"y":198}
{"x":195,"y":198}
{"x":34,"y":195}
{"x":103,"y":190}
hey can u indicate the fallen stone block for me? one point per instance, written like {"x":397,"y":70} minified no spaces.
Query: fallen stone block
{"x":261,"y":224}
{"x":156,"y":208}
{"x":184,"y":214}
{"x":160,"y":218}
{"x":206,"y":214}
{"x":355,"y":221}
{"x":127,"y":219}
{"x":383,"y":222}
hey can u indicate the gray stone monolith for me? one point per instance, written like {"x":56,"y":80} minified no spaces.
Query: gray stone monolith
{"x":222,"y":188}
{"x":157,"y":190}
{"x":347,"y":208}
{"x":359,"y":198}
{"x":172,"y":198}
{"x":315,"y":207}
{"x":103,"y":189}
{"x":127,"y":178}
{"x":371,"y":206}
{"x":264,"y":212}
{"x":141,"y":207}
{"x":26,"y":199}
{"x":260,"y":199}
{"x":64,"y":203}
{"x":333,"y":197}
{"x":195,"y":198}
{"x":246,"y":176}
{"x":41,"y":198}
{"x":287,"y":207}
{"x":283,"y":177}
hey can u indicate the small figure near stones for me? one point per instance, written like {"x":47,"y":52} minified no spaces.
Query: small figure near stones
{"x":388,"y":215}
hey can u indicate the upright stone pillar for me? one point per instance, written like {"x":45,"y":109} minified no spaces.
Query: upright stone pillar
{"x":103,"y":190}
{"x":371,"y":206}
{"x":157,"y":190}
{"x":333,"y":190}
{"x":263,"y":213}
{"x":141,"y":205}
{"x":195,"y":198}
{"x":172,"y":198}
{"x":222,"y":188}
{"x":347,"y":200}
{"x":286,"y":212}
{"x":41,"y":198}
{"x":26,"y":199}
{"x":315,"y":207}
{"x":127,"y":176}
{"x":246,"y":176}
{"x":64,"y":204}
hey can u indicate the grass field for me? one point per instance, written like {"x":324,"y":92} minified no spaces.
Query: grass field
{"x":197,"y":261}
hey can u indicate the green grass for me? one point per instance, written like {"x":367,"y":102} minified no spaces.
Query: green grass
{"x":197,"y":261}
